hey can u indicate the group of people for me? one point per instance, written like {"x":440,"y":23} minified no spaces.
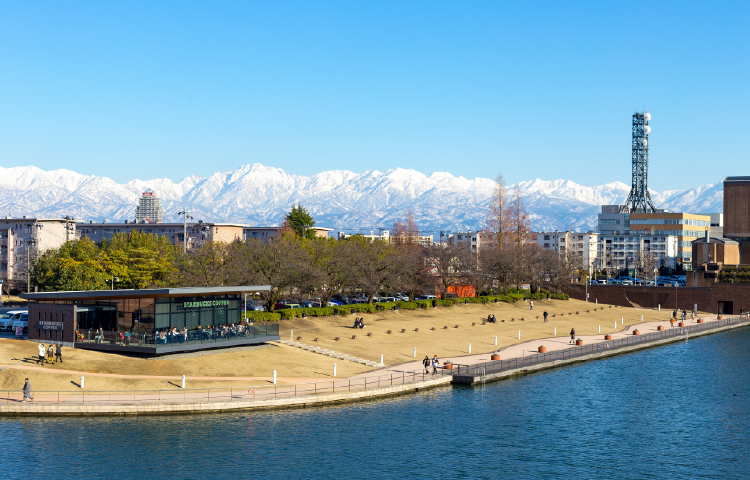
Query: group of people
{"x":491,"y":318}
{"x":359,"y":323}
{"x":673,"y":317}
{"x":434,"y":362}
{"x":49,"y":354}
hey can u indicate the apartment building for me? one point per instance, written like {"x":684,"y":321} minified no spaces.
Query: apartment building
{"x":268,"y":233}
{"x":197,"y":233}
{"x":23,"y":239}
{"x":581,"y":244}
{"x":472,"y":240}
{"x":385,"y":236}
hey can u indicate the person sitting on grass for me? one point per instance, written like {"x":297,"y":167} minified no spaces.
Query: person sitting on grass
{"x":356,"y":322}
{"x":361,"y":323}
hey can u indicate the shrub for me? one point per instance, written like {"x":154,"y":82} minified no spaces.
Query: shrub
{"x":357,"y":307}
{"x":263,"y":316}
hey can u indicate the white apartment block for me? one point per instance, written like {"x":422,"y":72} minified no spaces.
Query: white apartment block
{"x":385,"y":236}
{"x":473,"y":240}
{"x":617,"y":252}
{"x":22,"y":240}
{"x":584,"y":245}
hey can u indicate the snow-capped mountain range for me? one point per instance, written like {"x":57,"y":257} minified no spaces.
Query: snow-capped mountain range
{"x":339,"y":199}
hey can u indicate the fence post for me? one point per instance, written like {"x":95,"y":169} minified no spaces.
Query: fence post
{"x":519,"y":334}
{"x":600,"y":329}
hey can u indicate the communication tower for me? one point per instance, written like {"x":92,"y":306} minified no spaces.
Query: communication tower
{"x":639,"y":199}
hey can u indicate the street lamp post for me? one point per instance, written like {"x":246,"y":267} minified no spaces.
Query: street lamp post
{"x":113,"y":282}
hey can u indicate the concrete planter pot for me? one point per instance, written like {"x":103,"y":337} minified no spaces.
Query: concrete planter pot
{"x":700,"y":320}
{"x":542,"y":349}
{"x":660,"y":328}
{"x":636,"y":332}
{"x":721,"y":316}
{"x":681,"y":324}
{"x":494,"y":357}
{"x":579,"y":342}
{"x":448,"y":365}
{"x":607,"y":337}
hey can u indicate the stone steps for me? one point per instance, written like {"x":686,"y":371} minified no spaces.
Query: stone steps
{"x":329,"y":353}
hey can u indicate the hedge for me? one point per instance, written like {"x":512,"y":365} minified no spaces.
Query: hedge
{"x":263,"y":316}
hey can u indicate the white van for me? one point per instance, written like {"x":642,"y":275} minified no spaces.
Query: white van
{"x":7,"y":319}
{"x":23,"y":323}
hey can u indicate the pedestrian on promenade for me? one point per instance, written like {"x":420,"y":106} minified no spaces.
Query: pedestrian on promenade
{"x":684,"y":314}
{"x":27,"y":391}
{"x":40,"y":347}
{"x":531,"y":304}
{"x":50,"y":354}
{"x":545,"y":316}
{"x":692,"y":315}
{"x":426,"y":363}
{"x":435,"y":364}
{"x":58,"y":353}
{"x":671,"y":322}
{"x":674,"y":313}
{"x":572,"y":335}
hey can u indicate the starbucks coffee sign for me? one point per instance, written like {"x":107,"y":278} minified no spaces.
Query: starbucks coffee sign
{"x":206,"y":303}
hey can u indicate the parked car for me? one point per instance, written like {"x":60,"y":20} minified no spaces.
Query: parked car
{"x":7,"y":319}
{"x":626,"y":281}
{"x":427,"y":297}
{"x":400,"y":297}
{"x":613,"y":281}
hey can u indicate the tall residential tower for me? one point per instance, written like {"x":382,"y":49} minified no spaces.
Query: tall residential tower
{"x":149,"y":210}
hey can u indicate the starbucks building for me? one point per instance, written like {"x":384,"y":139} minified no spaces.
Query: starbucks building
{"x":153,"y":321}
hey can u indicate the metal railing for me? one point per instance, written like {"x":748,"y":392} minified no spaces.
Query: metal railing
{"x":222,"y":394}
{"x":190,"y":337}
{"x":578,"y":351}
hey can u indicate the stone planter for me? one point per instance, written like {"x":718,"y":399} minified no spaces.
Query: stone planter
{"x":681,"y":324}
{"x":448,"y":365}
{"x":607,"y":337}
{"x":494,"y":357}
{"x":636,"y":332}
{"x":720,"y":317}
{"x":579,"y":342}
{"x":660,"y":328}
{"x":542,"y":349}
{"x":700,"y":320}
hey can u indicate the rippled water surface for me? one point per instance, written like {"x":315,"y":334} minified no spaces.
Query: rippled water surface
{"x":677,"y":411}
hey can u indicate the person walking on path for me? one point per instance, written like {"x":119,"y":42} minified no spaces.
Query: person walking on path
{"x":435,"y":364}
{"x":684,"y":314}
{"x":50,"y":354}
{"x":671,"y":322}
{"x":41,"y":354}
{"x":674,"y":314}
{"x":27,"y":391}
{"x":531,"y":304}
{"x":58,"y":353}
{"x":572,"y":335}
{"x":426,"y":363}
{"x":545,"y":316}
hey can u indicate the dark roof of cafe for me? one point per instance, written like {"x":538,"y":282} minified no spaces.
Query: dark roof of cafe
{"x":737,"y":180}
{"x":147,"y":293}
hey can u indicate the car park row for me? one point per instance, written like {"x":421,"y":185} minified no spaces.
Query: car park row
{"x":661,"y":281}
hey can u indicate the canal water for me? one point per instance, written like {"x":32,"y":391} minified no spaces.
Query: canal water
{"x":677,"y":411}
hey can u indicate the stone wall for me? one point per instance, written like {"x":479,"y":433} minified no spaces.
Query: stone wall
{"x":707,"y":298}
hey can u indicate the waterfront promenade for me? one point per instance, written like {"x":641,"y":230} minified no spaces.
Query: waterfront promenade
{"x":300,"y":391}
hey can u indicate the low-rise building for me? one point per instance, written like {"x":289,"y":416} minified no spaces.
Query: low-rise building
{"x":197,"y":233}
{"x":23,"y":239}
{"x":583,"y":245}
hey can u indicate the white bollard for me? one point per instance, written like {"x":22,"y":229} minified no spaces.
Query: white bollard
{"x":660,"y":307}
{"x":600,"y":329}
{"x":469,"y":348}
{"x":641,"y":317}
{"x":334,"y":369}
{"x":381,"y":358}
{"x":415,"y":352}
{"x":495,"y":339}
{"x":81,"y":382}
{"x":695,"y":307}
{"x":291,"y":335}
{"x":274,"y":377}
{"x":519,"y":334}
{"x":615,"y":323}
{"x":597,"y":301}
{"x":622,"y":320}
{"x":183,"y":381}
{"x":555,"y":331}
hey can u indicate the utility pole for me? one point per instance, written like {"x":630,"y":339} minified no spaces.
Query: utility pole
{"x":185,"y":217}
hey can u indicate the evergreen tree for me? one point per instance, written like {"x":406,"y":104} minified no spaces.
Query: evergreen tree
{"x":301,"y":221}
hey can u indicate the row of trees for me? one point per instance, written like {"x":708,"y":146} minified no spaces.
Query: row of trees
{"x":298,"y":263}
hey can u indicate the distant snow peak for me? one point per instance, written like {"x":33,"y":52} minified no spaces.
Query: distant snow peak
{"x":340,"y":199}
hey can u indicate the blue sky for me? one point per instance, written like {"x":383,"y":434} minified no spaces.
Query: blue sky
{"x":530,"y":89}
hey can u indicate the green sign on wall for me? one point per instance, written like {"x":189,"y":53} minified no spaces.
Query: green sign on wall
{"x":206,"y":303}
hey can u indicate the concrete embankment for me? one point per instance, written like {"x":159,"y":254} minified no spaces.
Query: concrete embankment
{"x":29,"y":409}
{"x":474,"y":379}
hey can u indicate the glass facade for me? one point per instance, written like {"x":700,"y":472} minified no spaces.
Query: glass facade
{"x":150,"y":315}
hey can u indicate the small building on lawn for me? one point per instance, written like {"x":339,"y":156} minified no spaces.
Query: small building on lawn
{"x":153,"y":321}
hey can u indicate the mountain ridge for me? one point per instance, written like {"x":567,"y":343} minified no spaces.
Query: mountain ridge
{"x":339,"y":199}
